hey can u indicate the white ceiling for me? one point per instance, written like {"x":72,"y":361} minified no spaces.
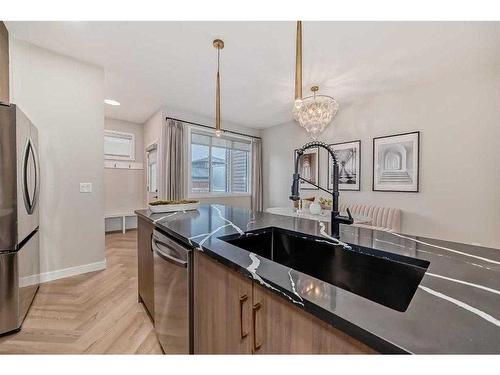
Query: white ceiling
{"x":153,"y":64}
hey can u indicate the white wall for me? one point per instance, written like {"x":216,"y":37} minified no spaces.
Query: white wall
{"x":458,"y":118}
{"x":64,"y":99}
{"x":124,"y":189}
{"x":152,"y":132}
{"x":152,"y":128}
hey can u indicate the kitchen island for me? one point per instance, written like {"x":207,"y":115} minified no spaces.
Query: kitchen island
{"x":455,"y":308}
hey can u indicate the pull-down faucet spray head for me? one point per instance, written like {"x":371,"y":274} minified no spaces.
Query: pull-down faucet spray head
{"x":336,"y":218}
{"x":295,"y":196}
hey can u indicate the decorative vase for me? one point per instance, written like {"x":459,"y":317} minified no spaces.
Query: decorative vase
{"x":315,"y":208}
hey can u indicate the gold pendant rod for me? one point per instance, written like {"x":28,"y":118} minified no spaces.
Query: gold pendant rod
{"x":298,"y":62}
{"x":219,"y":44}
{"x":217,"y":104}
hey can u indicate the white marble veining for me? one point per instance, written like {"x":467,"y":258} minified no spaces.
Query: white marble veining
{"x":458,"y":303}
{"x":454,"y":259}
{"x":390,"y":243}
{"x":446,"y":248}
{"x":292,"y":283}
{"x":322,"y":230}
{"x":434,"y":254}
{"x":238,"y":229}
{"x":198,"y":235}
{"x":207,"y":236}
{"x":165,"y":217}
{"x":491,"y":290}
{"x":190,"y":239}
{"x":463,"y":305}
{"x":252,"y":268}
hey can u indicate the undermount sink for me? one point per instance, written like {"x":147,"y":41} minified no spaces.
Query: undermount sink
{"x":385,"y":278}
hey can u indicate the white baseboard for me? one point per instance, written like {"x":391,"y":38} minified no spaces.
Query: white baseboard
{"x":72,"y":271}
{"x":60,"y":274}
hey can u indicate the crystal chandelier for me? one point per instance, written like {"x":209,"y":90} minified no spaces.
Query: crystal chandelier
{"x":314,"y":112}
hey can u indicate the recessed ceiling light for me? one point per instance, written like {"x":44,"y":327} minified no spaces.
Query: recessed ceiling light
{"x":111,"y":102}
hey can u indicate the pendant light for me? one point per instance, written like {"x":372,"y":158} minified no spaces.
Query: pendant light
{"x":316,"y":111}
{"x":219,"y":44}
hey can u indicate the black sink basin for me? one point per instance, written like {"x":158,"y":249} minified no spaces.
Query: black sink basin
{"x":382,"y":277}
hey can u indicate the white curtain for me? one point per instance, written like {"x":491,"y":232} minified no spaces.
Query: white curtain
{"x":257,"y":190}
{"x":171,"y":161}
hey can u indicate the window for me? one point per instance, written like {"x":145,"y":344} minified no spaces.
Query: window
{"x":118,"y":145}
{"x":218,"y":165}
{"x":152,"y":158}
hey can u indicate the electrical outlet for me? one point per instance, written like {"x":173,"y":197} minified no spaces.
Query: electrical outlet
{"x":85,"y":187}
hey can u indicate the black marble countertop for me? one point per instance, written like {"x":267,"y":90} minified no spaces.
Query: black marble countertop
{"x":456,"y":308}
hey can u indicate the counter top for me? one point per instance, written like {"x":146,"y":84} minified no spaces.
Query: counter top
{"x":455,"y":309}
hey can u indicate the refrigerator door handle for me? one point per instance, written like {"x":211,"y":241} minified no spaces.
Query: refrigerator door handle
{"x":37,"y":175}
{"x":30,"y":203}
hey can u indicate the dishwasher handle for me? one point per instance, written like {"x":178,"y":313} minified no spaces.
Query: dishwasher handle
{"x":155,"y":244}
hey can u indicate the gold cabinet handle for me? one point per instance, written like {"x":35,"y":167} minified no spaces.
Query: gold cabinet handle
{"x":243,"y":299}
{"x":256,"y":307}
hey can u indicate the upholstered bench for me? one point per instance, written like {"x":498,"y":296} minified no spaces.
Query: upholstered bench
{"x":383,"y":218}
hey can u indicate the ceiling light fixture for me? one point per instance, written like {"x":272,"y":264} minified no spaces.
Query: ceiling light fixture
{"x":313,"y":112}
{"x":219,"y":44}
{"x":111,"y":102}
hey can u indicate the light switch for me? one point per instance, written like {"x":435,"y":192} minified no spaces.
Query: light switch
{"x":85,"y":187}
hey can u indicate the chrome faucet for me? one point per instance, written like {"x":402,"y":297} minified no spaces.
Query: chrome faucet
{"x":336,"y":218}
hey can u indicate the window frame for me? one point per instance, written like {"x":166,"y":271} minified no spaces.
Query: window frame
{"x":195,"y":129}
{"x":119,"y":134}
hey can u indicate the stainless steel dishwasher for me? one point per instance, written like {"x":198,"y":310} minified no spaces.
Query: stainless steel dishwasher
{"x":173,"y":294}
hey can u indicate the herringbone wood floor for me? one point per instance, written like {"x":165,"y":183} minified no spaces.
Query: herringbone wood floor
{"x":95,"y":312}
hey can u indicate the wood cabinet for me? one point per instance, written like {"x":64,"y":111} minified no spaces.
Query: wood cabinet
{"x":234,"y":315}
{"x":283,"y":328}
{"x":222,"y":309}
{"x":4,"y":63}
{"x":145,"y":264}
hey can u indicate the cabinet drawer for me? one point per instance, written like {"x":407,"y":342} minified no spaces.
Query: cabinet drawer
{"x":222,"y":309}
{"x":282,"y":328}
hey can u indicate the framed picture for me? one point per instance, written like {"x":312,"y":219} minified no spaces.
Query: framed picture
{"x":308,"y":168}
{"x":396,"y":162}
{"x":348,"y":156}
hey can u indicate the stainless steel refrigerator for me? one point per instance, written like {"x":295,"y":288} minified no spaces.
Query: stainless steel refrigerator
{"x":19,"y":236}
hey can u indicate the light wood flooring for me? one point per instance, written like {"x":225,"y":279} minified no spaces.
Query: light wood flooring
{"x":94,"y":313}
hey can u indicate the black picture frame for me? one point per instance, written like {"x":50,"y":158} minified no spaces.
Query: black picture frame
{"x":417,"y":170}
{"x":302,"y":183}
{"x":358,"y":141}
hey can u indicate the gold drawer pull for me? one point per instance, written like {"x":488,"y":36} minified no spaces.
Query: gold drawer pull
{"x":243,"y":299}
{"x":256,"y":307}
